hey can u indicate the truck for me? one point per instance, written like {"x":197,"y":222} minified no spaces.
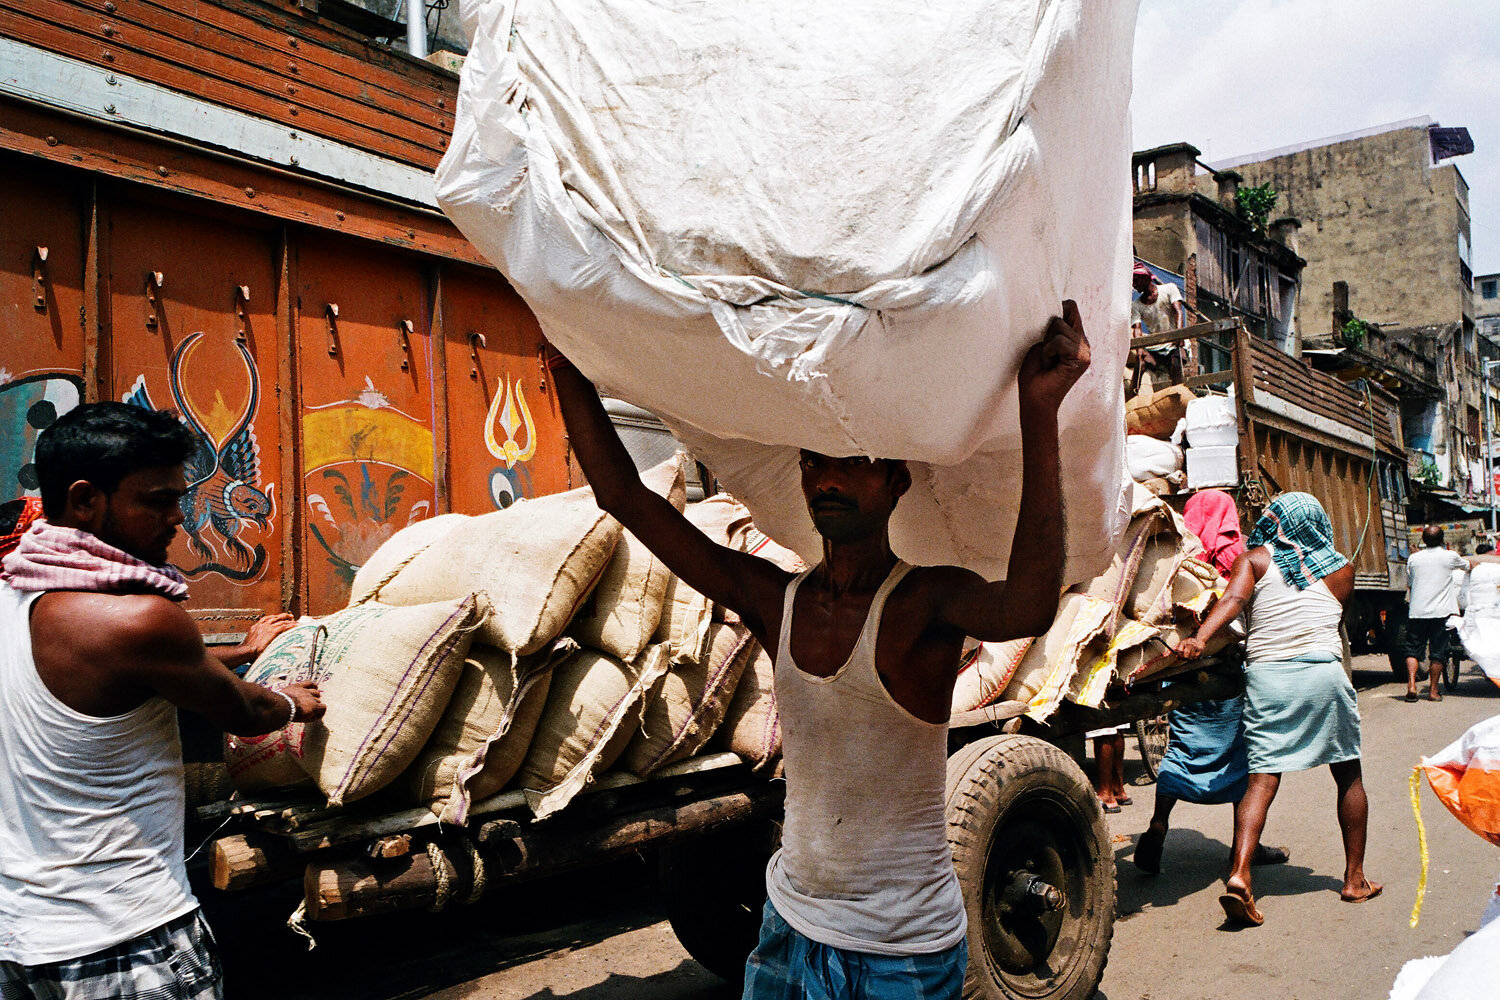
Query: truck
{"x":225,"y":208}
{"x":1301,"y":429}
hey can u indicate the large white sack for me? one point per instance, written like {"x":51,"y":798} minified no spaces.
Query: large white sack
{"x":776,"y":240}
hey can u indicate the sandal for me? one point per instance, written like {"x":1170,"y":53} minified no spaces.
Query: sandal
{"x":1375,"y":890}
{"x":1148,"y":851}
{"x":1411,"y":698}
{"x":1241,"y":911}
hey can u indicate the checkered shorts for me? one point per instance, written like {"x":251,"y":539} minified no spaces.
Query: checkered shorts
{"x":177,"y":961}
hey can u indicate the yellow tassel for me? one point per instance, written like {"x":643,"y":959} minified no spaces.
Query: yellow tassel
{"x":1416,"y":810}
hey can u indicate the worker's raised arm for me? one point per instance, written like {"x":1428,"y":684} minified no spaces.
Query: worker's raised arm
{"x":1237,"y":594}
{"x":1025,"y":602}
{"x":751,"y":586}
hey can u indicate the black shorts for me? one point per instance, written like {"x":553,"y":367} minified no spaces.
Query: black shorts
{"x":1430,"y":634}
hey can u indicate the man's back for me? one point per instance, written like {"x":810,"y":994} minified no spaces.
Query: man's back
{"x":91,"y":813}
{"x":1431,"y":591}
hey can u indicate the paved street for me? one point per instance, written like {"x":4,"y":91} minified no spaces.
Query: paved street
{"x":601,"y":936}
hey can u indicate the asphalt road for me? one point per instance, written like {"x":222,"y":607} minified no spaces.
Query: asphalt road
{"x":600,"y":935}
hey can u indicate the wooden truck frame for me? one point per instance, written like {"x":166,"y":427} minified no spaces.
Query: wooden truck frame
{"x":1301,"y":429}
{"x":225,"y":207}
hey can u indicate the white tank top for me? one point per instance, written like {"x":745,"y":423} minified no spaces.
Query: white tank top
{"x":91,"y":813}
{"x":1287,"y":623}
{"x":864,"y":863}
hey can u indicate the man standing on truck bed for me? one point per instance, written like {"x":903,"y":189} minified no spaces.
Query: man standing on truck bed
{"x":96,"y":655}
{"x":864,"y":902}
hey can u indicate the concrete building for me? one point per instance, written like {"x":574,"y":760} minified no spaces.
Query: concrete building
{"x":1388,"y":287}
{"x":1225,"y":265}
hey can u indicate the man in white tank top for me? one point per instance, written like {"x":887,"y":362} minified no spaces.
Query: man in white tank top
{"x":95,"y":658}
{"x":864,"y":902}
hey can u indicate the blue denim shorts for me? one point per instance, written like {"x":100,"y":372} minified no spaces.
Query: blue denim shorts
{"x":788,"y":965}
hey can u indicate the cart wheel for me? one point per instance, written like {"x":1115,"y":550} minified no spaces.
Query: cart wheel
{"x":1037,"y":872}
{"x":714,"y":887}
{"x":1452,"y":669}
{"x":1152,"y":736}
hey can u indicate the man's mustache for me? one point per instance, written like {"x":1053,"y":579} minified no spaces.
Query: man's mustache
{"x":827,"y":500}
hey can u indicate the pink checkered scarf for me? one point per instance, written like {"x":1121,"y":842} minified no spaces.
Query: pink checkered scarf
{"x":56,"y":558}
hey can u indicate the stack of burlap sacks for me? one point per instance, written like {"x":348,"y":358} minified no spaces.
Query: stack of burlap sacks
{"x":1120,"y":626}
{"x":534,"y":648}
{"x":1152,"y":458}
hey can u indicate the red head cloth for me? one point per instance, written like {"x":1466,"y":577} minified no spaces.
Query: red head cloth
{"x":1142,"y":271}
{"x":1213,"y":517}
{"x":31,"y":510}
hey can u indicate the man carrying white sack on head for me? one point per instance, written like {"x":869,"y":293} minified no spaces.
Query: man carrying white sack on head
{"x":864,"y":902}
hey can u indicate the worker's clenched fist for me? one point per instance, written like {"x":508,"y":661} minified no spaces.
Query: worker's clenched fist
{"x":1052,"y":367}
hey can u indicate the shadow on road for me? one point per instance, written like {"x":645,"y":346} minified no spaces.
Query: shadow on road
{"x":1192,"y":862}
{"x":413,"y":954}
{"x":617,"y":987}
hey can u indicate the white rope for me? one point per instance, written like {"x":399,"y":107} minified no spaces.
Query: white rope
{"x":476,"y":865}
{"x":440,"y":872}
{"x":297,"y":924}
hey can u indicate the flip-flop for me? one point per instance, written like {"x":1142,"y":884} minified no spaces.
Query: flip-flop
{"x":1265,"y":854}
{"x":1240,"y":910}
{"x":1124,"y":802}
{"x":1434,"y":696}
{"x":1411,"y":698}
{"x":1108,"y":807}
{"x":1375,"y":890}
{"x":1148,"y":851}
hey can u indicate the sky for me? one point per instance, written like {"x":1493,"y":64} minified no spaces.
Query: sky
{"x":1241,"y":76}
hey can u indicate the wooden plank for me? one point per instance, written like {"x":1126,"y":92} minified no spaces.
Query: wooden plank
{"x":1195,"y":332}
{"x":240,"y":52}
{"x":1209,"y":378}
{"x":72,"y":28}
{"x":96,"y":297}
{"x":182,"y":168}
{"x":289,"y":439}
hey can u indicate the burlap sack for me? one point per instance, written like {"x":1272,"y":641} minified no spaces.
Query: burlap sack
{"x":714,"y":515}
{"x":537,"y":560}
{"x":483,"y":736}
{"x":1156,"y":414}
{"x":273,"y":760}
{"x":593,"y":709}
{"x":386,"y":676}
{"x":398,"y":550}
{"x":1047,"y":670}
{"x":985,"y":671}
{"x":685,"y":619}
{"x":623,"y":613}
{"x":752,"y":725}
{"x":690,"y":703}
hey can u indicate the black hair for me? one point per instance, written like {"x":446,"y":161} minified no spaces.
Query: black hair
{"x":102,"y":443}
{"x":1432,"y":536}
{"x":1483,"y":549}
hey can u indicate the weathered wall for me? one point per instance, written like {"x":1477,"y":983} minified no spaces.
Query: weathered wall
{"x":1376,"y":214}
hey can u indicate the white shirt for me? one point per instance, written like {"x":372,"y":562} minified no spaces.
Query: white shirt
{"x":91,"y":813}
{"x":1431,"y":592}
{"x":1161,"y":315}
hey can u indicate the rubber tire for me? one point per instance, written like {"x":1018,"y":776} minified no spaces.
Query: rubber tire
{"x":1146,"y":732}
{"x":1453,"y":669}
{"x":1395,"y":651}
{"x":1010,"y":781}
{"x":714,"y":888}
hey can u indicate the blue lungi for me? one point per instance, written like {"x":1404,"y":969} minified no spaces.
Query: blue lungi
{"x":1299,"y":714}
{"x":1205,"y":761}
{"x":788,"y":965}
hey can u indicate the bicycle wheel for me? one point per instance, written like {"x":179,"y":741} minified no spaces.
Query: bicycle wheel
{"x":1152,"y":736}
{"x":1452,"y":668}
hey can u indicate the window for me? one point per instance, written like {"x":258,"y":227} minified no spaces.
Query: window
{"x":1490,"y":288}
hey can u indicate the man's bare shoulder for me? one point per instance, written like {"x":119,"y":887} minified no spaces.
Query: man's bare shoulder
{"x":113,"y":621}
{"x":945,"y":579}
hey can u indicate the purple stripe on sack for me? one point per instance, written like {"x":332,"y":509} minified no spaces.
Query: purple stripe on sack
{"x":449,"y":641}
{"x":710,"y":684}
